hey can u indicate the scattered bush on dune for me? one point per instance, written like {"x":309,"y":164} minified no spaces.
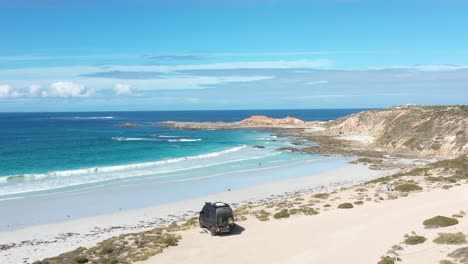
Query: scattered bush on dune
{"x":359,"y":203}
{"x":386,"y":260}
{"x":125,"y":248}
{"x":414,"y":240}
{"x":262,"y":215}
{"x":309,"y":211}
{"x":446,"y":262}
{"x":321,"y":196}
{"x":171,"y":241}
{"x":460,"y":254}
{"x":439,"y":221}
{"x":81,"y":259}
{"x":450,"y":238}
{"x":345,"y":206}
{"x":282,"y":214}
{"x":408,"y":187}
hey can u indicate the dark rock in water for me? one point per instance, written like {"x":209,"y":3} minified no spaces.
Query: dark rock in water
{"x":260,"y":147}
{"x":297,"y":143}
{"x":290,"y":149}
{"x":129,"y":125}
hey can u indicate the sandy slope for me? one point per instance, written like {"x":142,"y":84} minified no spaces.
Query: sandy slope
{"x":359,"y":235}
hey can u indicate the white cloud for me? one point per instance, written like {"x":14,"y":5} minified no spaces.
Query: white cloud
{"x":423,"y":67}
{"x":193,"y":100}
{"x":34,"y":90}
{"x":70,"y":89}
{"x":56,"y":89}
{"x":279,"y":64}
{"x":123,"y":89}
{"x":6,"y":91}
{"x":316,"y":82}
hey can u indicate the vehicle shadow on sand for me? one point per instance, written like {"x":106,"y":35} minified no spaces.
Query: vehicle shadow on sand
{"x":238,"y":229}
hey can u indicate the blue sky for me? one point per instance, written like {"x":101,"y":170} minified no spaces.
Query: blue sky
{"x":167,"y":55}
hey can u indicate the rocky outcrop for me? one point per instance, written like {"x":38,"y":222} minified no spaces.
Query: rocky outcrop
{"x":268,"y":121}
{"x":251,"y":122}
{"x":129,"y":125}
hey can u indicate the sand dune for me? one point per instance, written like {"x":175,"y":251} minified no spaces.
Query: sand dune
{"x":359,"y":235}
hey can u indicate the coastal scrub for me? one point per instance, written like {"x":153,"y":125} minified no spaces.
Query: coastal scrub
{"x":414,"y":240}
{"x":282,"y":214}
{"x":345,"y":206}
{"x":450,"y":238}
{"x":386,"y":260}
{"x":408,"y":187}
{"x":439,"y":221}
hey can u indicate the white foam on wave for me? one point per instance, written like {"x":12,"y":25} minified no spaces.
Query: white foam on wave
{"x":83,"y":117}
{"x":185,"y":140}
{"x":156,"y":139}
{"x":165,"y":136}
{"x":126,"y":175}
{"x":134,"y":139}
{"x":116,"y":168}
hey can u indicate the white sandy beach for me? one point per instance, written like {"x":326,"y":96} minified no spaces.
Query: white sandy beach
{"x":37,"y":242}
{"x":360,"y":235}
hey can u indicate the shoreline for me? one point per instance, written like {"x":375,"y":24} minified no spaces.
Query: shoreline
{"x":33,"y":242}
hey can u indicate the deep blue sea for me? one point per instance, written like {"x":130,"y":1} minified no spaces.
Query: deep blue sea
{"x":44,"y":152}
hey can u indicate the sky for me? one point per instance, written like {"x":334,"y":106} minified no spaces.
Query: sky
{"x":123,"y":55}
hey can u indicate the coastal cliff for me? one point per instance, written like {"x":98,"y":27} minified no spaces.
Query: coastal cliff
{"x":430,"y":130}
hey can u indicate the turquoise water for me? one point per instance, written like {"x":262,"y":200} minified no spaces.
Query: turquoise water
{"x":49,"y":161}
{"x":47,"y":152}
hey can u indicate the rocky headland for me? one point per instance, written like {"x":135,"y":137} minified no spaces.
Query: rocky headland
{"x":251,"y":122}
{"x":428,"y":131}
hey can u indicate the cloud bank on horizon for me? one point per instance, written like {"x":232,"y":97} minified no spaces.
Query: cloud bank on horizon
{"x":157,"y":55}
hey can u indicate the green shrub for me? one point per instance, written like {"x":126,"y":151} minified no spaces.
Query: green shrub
{"x":327,"y":205}
{"x":345,"y":206}
{"x":460,"y":132}
{"x":309,"y":211}
{"x":282,"y":214}
{"x":414,"y":240}
{"x":439,"y":221}
{"x":359,"y":203}
{"x":446,"y":262}
{"x":107,"y":249}
{"x":410,"y":141}
{"x":171,"y":241}
{"x":386,"y":261}
{"x":81,"y":259}
{"x":408,"y":187}
{"x":435,"y":146}
{"x":321,"y":195}
{"x":450,"y":238}
{"x":262,"y":215}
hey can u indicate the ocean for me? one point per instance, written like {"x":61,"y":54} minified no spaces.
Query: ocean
{"x":56,"y":154}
